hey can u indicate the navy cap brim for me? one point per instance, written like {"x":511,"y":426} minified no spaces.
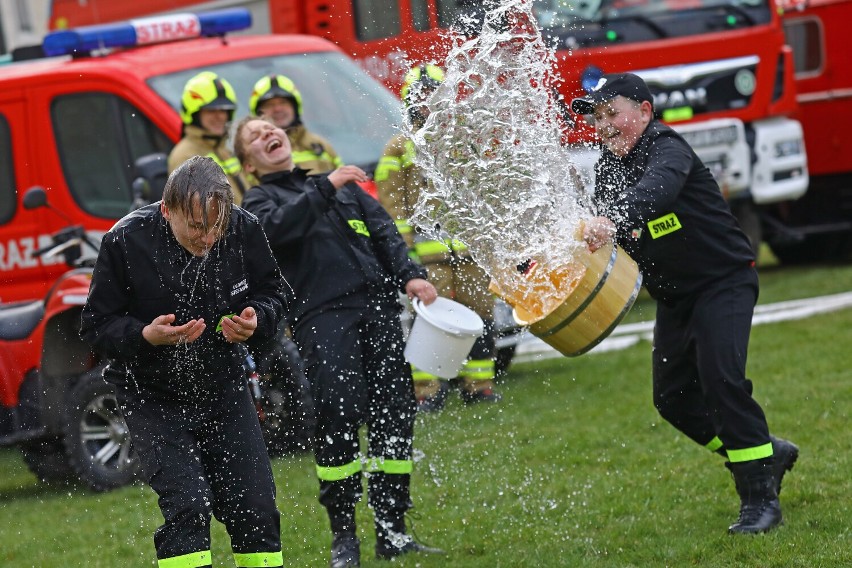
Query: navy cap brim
{"x":587,"y":104}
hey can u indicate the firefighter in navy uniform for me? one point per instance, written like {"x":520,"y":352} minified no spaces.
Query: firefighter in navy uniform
{"x":657,"y":200}
{"x":345,"y":262}
{"x":207,"y":106}
{"x":179,"y":288}
{"x":276,"y":98}
{"x":399,"y":183}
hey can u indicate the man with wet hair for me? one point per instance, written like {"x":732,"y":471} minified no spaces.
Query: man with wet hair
{"x":178,"y":289}
{"x":657,"y":200}
{"x":346,"y":261}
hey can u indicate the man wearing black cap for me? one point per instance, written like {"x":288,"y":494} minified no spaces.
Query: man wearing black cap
{"x":656,"y":199}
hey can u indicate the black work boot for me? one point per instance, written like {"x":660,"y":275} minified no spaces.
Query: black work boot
{"x":434,"y":402}
{"x":476,"y":396}
{"x":345,"y":551}
{"x":345,"y":546}
{"x":784,"y":454}
{"x":392,"y":541}
{"x":760,"y":510}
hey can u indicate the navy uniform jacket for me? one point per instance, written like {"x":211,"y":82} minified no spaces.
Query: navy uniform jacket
{"x":335,"y":248}
{"x":143,"y":272}
{"x":670,"y":215}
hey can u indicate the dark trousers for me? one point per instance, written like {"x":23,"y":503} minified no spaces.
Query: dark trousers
{"x":358,"y":375}
{"x":700,"y":348}
{"x":203,"y":458}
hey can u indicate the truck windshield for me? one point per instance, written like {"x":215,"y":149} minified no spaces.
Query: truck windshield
{"x":340,"y":102}
{"x":586,"y":23}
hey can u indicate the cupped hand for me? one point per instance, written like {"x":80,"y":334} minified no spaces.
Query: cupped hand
{"x":162,"y":331}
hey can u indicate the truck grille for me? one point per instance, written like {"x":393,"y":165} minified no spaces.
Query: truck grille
{"x":722,"y":85}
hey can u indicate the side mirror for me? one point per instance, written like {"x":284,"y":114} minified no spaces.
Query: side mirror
{"x":35,"y":197}
{"x":141,"y":191}
{"x":151,"y":175}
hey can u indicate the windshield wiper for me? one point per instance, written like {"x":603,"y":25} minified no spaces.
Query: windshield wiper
{"x":639,"y":18}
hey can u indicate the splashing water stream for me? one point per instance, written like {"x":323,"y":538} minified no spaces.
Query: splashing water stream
{"x":500,"y":180}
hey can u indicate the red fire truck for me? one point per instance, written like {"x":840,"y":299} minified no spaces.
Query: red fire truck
{"x":721,"y":71}
{"x":77,"y":124}
{"x":816,"y":30}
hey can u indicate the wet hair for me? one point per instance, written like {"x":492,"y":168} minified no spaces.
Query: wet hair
{"x":203,"y":177}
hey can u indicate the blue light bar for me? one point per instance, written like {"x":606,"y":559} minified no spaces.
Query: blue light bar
{"x":142,"y":31}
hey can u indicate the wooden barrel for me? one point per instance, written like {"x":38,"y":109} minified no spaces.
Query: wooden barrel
{"x":599,"y":301}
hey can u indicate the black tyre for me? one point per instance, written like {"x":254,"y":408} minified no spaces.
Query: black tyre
{"x":287,"y":417}
{"x":47,"y":460}
{"x":97,"y":442}
{"x":812,"y":249}
{"x":503,"y":360}
{"x":749,"y":220}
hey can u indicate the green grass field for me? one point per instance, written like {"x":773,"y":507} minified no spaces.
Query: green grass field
{"x":574,"y":468}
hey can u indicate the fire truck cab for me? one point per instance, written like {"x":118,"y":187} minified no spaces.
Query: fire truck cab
{"x":76,"y":121}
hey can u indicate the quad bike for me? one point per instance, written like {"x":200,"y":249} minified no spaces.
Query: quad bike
{"x":54,"y":404}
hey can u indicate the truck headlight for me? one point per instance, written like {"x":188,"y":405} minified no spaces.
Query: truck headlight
{"x":786,"y":148}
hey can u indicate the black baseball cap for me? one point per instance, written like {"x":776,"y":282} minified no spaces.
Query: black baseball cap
{"x":610,"y":86}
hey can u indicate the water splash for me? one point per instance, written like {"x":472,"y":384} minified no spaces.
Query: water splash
{"x":500,"y":181}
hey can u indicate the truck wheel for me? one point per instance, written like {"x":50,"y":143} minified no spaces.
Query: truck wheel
{"x":503,"y":360}
{"x":811,"y":249}
{"x":47,"y":461}
{"x":96,"y":439}
{"x":749,"y":220}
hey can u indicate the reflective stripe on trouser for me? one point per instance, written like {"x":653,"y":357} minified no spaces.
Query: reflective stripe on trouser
{"x":213,"y":463}
{"x":746,"y":454}
{"x":358,"y":374}
{"x":425,"y":384}
{"x":259,"y":559}
{"x":700,"y":385}
{"x":191,"y":560}
{"x":477,"y":374}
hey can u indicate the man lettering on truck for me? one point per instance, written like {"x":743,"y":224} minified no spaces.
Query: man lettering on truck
{"x":699,"y":266}
{"x":178,"y":288}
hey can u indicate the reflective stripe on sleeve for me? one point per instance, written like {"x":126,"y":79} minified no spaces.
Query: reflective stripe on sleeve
{"x":386,"y":165}
{"x":428,"y":248}
{"x":408,"y":157}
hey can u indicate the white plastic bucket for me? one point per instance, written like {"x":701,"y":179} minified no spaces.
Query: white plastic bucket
{"x":441,"y":337}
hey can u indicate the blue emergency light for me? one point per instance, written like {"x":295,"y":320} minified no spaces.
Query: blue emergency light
{"x":142,"y":31}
